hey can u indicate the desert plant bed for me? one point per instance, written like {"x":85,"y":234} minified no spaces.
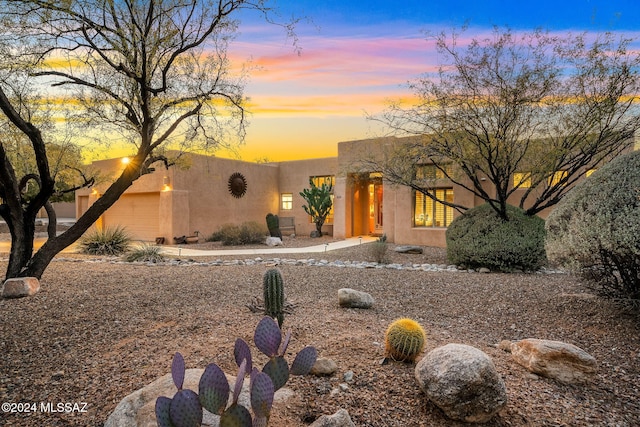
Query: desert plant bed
{"x":100,"y":329}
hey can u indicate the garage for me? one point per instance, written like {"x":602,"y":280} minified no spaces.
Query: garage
{"x":139,"y":212}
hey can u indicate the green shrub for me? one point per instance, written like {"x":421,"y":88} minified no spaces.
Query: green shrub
{"x":480,"y":238}
{"x":244,"y":234}
{"x":378,"y":250}
{"x":595,"y":229}
{"x":252,"y":232}
{"x":144,"y":253}
{"x":109,"y":241}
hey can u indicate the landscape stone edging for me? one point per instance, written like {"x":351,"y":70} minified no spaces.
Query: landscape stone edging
{"x":311,"y":262}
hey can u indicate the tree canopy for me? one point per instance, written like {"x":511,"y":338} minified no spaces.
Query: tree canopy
{"x":537,"y":106}
{"x":154,"y":74}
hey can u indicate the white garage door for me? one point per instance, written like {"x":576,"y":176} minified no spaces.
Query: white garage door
{"x":139,"y":213}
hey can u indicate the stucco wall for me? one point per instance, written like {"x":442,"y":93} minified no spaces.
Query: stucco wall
{"x":293,"y":177}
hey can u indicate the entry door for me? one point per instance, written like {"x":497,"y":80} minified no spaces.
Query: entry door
{"x":377,"y":206}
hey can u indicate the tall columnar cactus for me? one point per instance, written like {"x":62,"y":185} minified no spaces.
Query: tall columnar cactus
{"x":404,"y":340}
{"x":185,"y":408}
{"x":273,"y":224}
{"x":273,"y":291}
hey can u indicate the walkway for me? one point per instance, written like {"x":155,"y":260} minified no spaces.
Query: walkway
{"x":185,"y":251}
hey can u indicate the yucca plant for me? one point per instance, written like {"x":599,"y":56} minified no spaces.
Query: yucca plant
{"x":107,"y":241}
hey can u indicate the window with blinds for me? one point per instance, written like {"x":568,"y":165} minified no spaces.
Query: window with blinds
{"x":429,"y":213}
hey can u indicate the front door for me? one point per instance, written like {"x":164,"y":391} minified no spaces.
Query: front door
{"x":375,"y":207}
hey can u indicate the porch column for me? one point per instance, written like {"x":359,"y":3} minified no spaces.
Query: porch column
{"x":173,"y":214}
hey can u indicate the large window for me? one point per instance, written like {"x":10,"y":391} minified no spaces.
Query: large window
{"x":429,"y":213}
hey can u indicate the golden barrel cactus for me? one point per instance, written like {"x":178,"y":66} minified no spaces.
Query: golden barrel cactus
{"x":404,"y":340}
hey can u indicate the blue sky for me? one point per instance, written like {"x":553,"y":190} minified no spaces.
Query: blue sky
{"x":358,"y":55}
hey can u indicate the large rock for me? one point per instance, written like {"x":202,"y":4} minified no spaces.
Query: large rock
{"x":273,"y":241}
{"x":324,"y":367}
{"x":554,"y":359}
{"x":339,"y":419}
{"x":463,"y":382}
{"x":350,"y":298}
{"x":138,"y":408}
{"x":20,"y":287}
{"x":407,"y":249}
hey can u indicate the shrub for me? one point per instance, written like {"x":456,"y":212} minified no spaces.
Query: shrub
{"x":244,"y":234}
{"x":595,"y":229}
{"x":480,"y":238}
{"x":144,"y":253}
{"x":109,"y":241}
{"x":378,"y":250}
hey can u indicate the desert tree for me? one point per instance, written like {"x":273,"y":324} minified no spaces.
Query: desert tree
{"x":537,"y":106}
{"x":154,"y":74}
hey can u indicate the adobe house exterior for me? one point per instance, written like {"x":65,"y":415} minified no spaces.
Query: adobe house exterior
{"x":182,"y":200}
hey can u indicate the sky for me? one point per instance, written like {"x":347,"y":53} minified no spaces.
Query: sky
{"x":356,"y":56}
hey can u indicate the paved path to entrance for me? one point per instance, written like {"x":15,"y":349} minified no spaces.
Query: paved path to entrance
{"x":340,"y":244}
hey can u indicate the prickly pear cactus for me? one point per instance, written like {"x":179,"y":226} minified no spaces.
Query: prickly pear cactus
{"x":185,"y":409}
{"x":404,"y":340}
{"x":273,"y":291}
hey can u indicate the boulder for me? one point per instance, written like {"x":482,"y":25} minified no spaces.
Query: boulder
{"x":339,"y":419}
{"x":407,"y":249}
{"x":273,"y":241}
{"x":20,"y":287}
{"x":463,"y":382}
{"x":350,"y":298}
{"x":554,"y":359}
{"x":138,"y":408}
{"x":324,"y":367}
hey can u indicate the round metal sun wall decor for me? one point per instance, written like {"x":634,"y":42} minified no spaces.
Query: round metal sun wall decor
{"x":237,"y":185}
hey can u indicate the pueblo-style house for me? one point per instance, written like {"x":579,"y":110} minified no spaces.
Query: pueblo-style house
{"x":211,"y":191}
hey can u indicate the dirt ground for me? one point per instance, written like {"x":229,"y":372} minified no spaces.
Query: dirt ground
{"x":100,"y":329}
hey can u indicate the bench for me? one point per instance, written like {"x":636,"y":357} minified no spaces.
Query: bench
{"x":287,"y":225}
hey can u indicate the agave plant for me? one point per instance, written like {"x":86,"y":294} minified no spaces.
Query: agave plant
{"x":185,"y":408}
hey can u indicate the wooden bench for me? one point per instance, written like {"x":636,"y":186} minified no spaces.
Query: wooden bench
{"x":287,"y":225}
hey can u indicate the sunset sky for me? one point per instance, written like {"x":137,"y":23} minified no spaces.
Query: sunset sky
{"x":356,"y":55}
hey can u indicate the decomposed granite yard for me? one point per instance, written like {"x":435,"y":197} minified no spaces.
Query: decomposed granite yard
{"x":100,"y":329}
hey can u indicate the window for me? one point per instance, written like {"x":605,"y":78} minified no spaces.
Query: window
{"x":325,"y":179}
{"x":286,"y":201}
{"x":429,"y":213}
{"x":522,"y":179}
{"x":556,"y":178}
{"x":433,"y":172}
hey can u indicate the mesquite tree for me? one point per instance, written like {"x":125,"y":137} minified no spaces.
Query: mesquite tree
{"x":154,"y":74}
{"x":544,"y":107}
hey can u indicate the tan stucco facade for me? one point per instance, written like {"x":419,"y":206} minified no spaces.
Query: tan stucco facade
{"x":194,"y":196}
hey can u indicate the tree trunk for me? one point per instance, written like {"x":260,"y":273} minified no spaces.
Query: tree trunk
{"x":23,"y":263}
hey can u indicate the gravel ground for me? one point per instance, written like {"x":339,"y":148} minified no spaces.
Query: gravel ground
{"x":100,"y":329}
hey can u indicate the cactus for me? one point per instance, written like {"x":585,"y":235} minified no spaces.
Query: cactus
{"x":273,"y":291}
{"x":273,"y":224}
{"x":185,"y":408}
{"x":404,"y":340}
